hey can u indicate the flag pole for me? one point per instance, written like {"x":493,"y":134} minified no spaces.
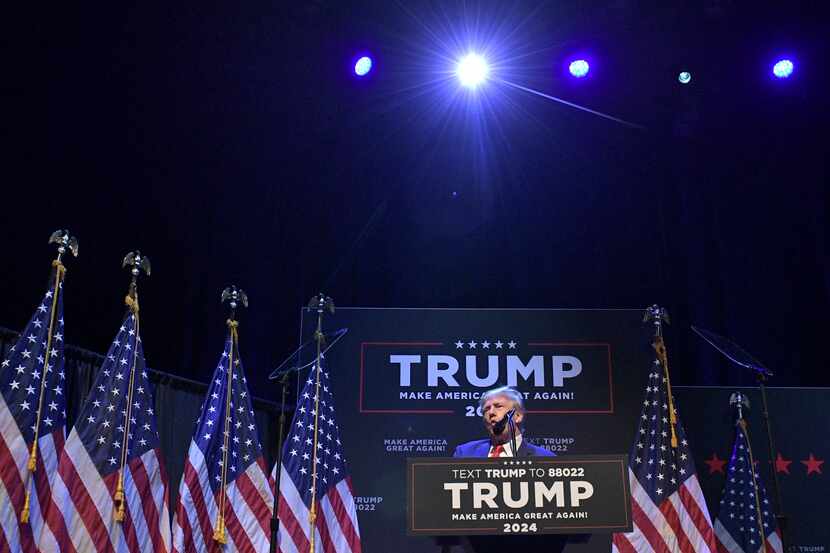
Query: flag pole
{"x":322,"y":303}
{"x":740,"y":401}
{"x":136,"y":263}
{"x":658,"y":315}
{"x":64,"y":242}
{"x":234,"y":296}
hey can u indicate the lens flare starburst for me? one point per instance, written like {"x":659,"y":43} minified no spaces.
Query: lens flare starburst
{"x":472,"y":70}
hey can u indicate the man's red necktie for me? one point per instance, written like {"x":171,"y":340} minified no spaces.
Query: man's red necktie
{"x":497,"y":451}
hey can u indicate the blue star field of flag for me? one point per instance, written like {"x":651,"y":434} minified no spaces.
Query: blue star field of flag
{"x":740,"y":507}
{"x":25,"y":373}
{"x":244,"y":446}
{"x":104,"y":419}
{"x":297,"y":456}
{"x":659,"y":467}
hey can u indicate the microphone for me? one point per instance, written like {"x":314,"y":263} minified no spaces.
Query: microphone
{"x":498,"y":428}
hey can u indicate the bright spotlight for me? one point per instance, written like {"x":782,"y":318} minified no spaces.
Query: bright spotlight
{"x":363,"y":66}
{"x":685,"y":77}
{"x":579,"y":68}
{"x":783,"y":69}
{"x":472,"y":70}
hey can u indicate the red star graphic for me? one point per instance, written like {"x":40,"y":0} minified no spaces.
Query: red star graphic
{"x":715,"y":464}
{"x":781,"y":464}
{"x":813,"y":465}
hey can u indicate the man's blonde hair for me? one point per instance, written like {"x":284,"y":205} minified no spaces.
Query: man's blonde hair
{"x":514,"y":395}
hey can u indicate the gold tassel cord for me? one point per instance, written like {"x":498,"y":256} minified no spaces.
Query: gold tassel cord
{"x":119,"y":497}
{"x":24,"y":514}
{"x":219,"y":530}
{"x":60,"y":271}
{"x":131,"y":300}
{"x":660,"y":348}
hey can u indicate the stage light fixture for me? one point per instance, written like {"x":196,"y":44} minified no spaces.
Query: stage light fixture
{"x":472,"y":70}
{"x":684,"y":77}
{"x":579,"y":68}
{"x":363,"y":66}
{"x":783,"y":69}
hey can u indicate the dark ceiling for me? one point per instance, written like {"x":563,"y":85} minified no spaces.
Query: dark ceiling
{"x":230,"y":143}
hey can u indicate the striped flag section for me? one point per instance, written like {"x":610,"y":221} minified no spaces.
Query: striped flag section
{"x":335,"y":528}
{"x":225,"y":500}
{"x":112,"y":452}
{"x":32,"y":400}
{"x":669,"y":511}
{"x":745,"y":512}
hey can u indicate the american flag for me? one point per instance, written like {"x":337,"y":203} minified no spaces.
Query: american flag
{"x":743,"y":513}
{"x":336,"y":528}
{"x":32,"y":383}
{"x":669,"y":511}
{"x":114,"y":444}
{"x":225,"y":471}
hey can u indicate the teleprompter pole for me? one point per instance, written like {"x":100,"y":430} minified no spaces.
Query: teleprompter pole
{"x":275,"y":520}
{"x":780,"y":517}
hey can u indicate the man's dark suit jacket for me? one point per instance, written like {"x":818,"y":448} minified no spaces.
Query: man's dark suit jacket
{"x":480,"y":448}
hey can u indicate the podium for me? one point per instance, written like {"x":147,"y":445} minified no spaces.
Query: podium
{"x":524,"y":503}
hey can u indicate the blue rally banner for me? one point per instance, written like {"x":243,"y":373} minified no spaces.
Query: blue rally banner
{"x":408,"y":383}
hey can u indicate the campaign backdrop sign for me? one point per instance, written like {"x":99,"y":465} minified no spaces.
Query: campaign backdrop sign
{"x":436,"y":377}
{"x":407,"y":383}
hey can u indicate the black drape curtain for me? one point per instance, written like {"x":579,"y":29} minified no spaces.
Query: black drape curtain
{"x":177,"y":403}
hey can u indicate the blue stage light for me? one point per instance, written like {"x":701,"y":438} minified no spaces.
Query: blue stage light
{"x":685,"y":77}
{"x":783,"y":69}
{"x":579,"y":68}
{"x":472,"y":70}
{"x":363,"y":66}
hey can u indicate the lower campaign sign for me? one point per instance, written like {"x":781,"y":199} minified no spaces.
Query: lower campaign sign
{"x":531,"y":495}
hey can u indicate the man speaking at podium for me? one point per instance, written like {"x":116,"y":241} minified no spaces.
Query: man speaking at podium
{"x":497,"y":406}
